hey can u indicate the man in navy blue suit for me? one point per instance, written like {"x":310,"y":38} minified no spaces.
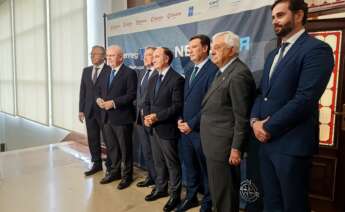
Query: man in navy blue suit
{"x":284,"y":117}
{"x":198,"y":79}
{"x":116,"y":100}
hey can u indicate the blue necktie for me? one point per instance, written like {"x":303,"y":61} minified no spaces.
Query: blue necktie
{"x":280,"y":57}
{"x":158,"y":83}
{"x":193,"y":75}
{"x":111,"y":77}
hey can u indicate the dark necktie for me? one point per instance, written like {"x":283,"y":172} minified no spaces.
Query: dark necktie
{"x":218,"y":73}
{"x":94,"y":76}
{"x":145,"y":81}
{"x":193,"y":75}
{"x":111,"y":77}
{"x":158,"y":83}
{"x":280,"y":57}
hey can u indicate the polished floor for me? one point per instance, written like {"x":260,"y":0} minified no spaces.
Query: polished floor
{"x":50,"y":179}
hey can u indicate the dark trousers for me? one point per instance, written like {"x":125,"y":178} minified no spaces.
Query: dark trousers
{"x":195,"y":166}
{"x":285,"y":181}
{"x":119,"y":145}
{"x":166,"y":163}
{"x":93,"y":128}
{"x":224,"y":184}
{"x":145,"y":143}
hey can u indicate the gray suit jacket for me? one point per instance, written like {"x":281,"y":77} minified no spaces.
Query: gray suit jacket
{"x":141,"y":94}
{"x":226,"y":110}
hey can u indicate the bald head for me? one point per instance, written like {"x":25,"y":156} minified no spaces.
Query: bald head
{"x":114,"y":56}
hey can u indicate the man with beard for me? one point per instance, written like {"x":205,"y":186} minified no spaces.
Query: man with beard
{"x":284,"y":117}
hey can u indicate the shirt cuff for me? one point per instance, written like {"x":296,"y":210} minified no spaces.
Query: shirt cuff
{"x":114,"y":106}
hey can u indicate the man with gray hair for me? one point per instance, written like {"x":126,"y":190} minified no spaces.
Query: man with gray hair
{"x":225,"y":125}
{"x":143,"y":132}
{"x":116,"y":100}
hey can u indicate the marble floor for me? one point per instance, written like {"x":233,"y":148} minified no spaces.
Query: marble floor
{"x":50,"y":179}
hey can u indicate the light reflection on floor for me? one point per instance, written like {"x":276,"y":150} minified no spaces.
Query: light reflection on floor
{"x":50,"y":179}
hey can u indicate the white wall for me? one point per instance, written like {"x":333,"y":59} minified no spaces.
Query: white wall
{"x":95,"y":25}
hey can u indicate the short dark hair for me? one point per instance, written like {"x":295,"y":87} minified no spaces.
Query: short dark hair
{"x":204,"y":40}
{"x":101,"y":48}
{"x":168,"y":53}
{"x":294,"y":6}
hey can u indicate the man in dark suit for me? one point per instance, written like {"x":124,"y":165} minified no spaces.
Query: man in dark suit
{"x":143,"y":132}
{"x":162,"y":108}
{"x":198,"y":80}
{"x":225,"y":121}
{"x":93,"y":76}
{"x":117,"y":96}
{"x":284,"y":117}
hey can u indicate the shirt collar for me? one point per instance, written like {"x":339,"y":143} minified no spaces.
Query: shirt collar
{"x":222,"y":69}
{"x":200,"y":65}
{"x":164,"y":72}
{"x":294,"y":38}
{"x":100,"y":67}
{"x":118,"y":67}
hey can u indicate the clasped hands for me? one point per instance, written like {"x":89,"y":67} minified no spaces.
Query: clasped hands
{"x":183,"y":127}
{"x":107,"y":105}
{"x":260,"y":133}
{"x":150,"y":119}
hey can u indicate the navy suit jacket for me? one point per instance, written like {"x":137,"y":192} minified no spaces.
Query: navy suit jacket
{"x":291,"y":97}
{"x":194,"y":93}
{"x":90,"y":91}
{"x":122,"y":91}
{"x":167,"y":104}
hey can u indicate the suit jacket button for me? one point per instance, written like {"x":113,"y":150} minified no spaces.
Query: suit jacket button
{"x":265,"y":99}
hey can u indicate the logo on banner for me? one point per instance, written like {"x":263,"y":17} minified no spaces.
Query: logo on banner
{"x":157,"y":18}
{"x":248,"y":191}
{"x":213,"y":3}
{"x":141,"y":52}
{"x":190,"y":11}
{"x":173,"y":15}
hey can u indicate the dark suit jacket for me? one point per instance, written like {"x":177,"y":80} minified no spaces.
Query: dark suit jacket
{"x":194,"y":93}
{"x":141,"y":94}
{"x":291,"y":97}
{"x":167,"y":104}
{"x":122,"y":91}
{"x":225,"y":112}
{"x":89,"y":91}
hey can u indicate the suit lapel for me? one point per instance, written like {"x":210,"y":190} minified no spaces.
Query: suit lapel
{"x":218,"y":81}
{"x":165,"y":81}
{"x":201,"y":73}
{"x":101,"y":74}
{"x":118,"y":75}
{"x":289,"y":55}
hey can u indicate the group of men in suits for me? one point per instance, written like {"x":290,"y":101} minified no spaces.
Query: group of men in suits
{"x":213,"y":111}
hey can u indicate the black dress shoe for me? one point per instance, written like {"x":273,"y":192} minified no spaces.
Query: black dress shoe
{"x":187,"y":204}
{"x":110,"y":178}
{"x":154,"y":195}
{"x":95,"y":168}
{"x":145,"y":183}
{"x":124,"y":184}
{"x":171,"y":204}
